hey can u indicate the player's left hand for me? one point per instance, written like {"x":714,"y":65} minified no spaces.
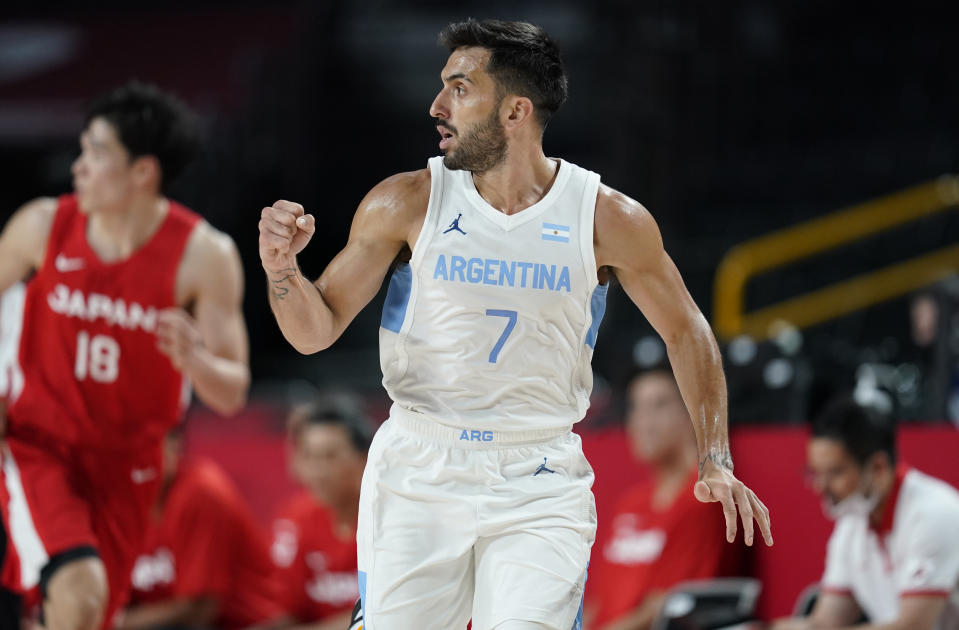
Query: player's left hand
{"x":178,"y":337}
{"x":718,"y":483}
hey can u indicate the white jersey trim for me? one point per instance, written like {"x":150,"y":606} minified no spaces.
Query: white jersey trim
{"x":409,"y":272}
{"x":23,"y":533}
{"x":11,"y":328}
{"x":511,"y":221}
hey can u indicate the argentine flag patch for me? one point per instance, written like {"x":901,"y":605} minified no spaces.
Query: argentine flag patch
{"x":555,"y":232}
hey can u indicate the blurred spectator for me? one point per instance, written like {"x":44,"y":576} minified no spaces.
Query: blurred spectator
{"x":934,"y":328}
{"x":207,"y":563}
{"x":924,"y":317}
{"x":661,"y":534}
{"x":314,"y":535}
{"x":893,"y":554}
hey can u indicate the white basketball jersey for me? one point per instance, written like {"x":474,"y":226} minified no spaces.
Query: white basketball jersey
{"x":491,"y":325}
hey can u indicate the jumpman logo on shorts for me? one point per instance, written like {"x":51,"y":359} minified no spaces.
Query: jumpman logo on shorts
{"x":543,"y":468}
{"x":455,"y":225}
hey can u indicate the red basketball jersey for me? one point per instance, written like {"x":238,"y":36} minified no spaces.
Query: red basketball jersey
{"x":317,"y":569}
{"x":207,"y":543}
{"x":92,"y":374}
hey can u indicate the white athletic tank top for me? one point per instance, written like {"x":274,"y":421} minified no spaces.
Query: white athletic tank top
{"x":491,"y":326}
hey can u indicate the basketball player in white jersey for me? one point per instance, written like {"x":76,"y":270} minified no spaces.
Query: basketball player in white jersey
{"x":476,"y":498}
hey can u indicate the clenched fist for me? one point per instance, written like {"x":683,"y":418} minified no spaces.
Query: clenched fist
{"x":284,"y":231}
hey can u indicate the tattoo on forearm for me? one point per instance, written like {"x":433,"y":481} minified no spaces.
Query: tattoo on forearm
{"x":721,"y":458}
{"x":279,"y":292}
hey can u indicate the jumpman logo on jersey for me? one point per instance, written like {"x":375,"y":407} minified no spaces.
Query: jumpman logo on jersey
{"x":455,"y":225}
{"x":543,"y":468}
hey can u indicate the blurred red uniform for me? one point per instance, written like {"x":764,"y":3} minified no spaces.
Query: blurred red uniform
{"x":207,"y":543}
{"x":649,"y":550}
{"x":317,"y":568}
{"x":90,"y":397}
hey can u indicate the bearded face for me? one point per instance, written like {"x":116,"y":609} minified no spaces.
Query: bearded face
{"x":479,"y":148}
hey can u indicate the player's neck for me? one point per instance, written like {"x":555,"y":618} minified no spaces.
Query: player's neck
{"x":523,"y":178}
{"x":116,"y":234}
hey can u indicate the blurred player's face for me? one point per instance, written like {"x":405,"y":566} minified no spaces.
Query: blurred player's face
{"x":103,"y":177}
{"x":657,"y":422}
{"x":327,"y":464}
{"x":467,"y":113}
{"x":833,"y":472}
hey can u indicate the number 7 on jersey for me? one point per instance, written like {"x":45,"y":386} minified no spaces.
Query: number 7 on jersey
{"x":511,"y":316}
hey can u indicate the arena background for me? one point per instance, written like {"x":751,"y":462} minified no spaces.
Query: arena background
{"x":729,"y":121}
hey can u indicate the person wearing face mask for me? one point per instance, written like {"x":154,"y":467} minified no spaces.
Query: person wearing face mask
{"x":894,"y":553}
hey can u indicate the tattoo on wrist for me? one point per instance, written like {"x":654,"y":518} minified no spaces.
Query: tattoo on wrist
{"x":723,"y":459}
{"x":276,"y":286}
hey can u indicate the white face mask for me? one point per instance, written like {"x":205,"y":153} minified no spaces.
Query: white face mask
{"x":856,"y":504}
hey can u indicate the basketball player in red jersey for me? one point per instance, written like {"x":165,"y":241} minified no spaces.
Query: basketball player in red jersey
{"x":314,"y":533}
{"x":133,"y":299}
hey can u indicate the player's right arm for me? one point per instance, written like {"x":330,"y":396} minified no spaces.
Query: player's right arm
{"x":312,"y":315}
{"x":835,"y":611}
{"x":23,"y":241}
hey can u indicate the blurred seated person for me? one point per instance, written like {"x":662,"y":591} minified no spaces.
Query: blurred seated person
{"x":207,"y":564}
{"x":661,"y":535}
{"x":894,"y":551}
{"x":932,"y":315}
{"x":314,"y":535}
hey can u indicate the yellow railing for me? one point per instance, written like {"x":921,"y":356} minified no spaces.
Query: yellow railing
{"x":804,"y":240}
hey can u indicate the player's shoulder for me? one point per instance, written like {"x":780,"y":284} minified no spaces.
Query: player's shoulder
{"x":204,"y":473}
{"x":407,"y":181}
{"x":305,"y":515}
{"x":207,"y":245}
{"x":617,"y":208}
{"x":408,"y":191}
{"x":38,"y":213}
{"x":29,"y":229}
{"x":624,"y":231}
{"x":206,"y":486}
{"x":928,"y":501}
{"x":41,"y":205}
{"x":297,"y":508}
{"x":919,"y":484}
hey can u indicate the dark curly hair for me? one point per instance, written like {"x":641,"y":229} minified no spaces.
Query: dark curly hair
{"x":524,"y":60}
{"x":329,"y":409}
{"x":863,"y":431}
{"x":149,"y":121}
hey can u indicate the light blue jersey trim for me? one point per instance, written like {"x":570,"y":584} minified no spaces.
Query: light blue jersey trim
{"x":361,"y":582}
{"x":397,"y":298}
{"x":597,"y":307}
{"x":578,"y":622}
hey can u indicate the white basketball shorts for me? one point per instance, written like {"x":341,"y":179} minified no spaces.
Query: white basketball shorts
{"x":457,"y":524}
